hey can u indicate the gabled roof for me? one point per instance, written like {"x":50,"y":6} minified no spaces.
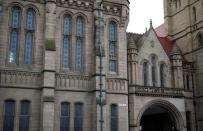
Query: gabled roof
{"x":161,"y":31}
{"x":166,"y":44}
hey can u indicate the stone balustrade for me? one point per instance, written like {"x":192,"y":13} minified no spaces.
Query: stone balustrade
{"x":9,"y":78}
{"x":156,"y":91}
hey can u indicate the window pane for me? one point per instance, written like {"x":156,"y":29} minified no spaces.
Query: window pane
{"x":30,"y":19}
{"x":78,"y":54}
{"x":112,"y":31}
{"x":66,"y":42}
{"x":112,"y":49}
{"x":145,"y":73}
{"x":24,"y":116}
{"x":114,"y":118}
{"x":67,"y":25}
{"x":153,"y":60}
{"x":13,"y":46}
{"x":15,"y":20}
{"x":79,"y":26}
{"x":112,"y":65}
{"x":65,"y":115}
{"x":28,"y":48}
{"x":78,"y":117}
{"x":9,"y":116}
{"x":162,"y":75}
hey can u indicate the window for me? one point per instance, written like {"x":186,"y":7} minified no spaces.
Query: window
{"x":194,"y":14}
{"x":24,"y":116}
{"x":145,"y":73}
{"x":112,"y":46}
{"x":179,"y":1}
{"x":79,"y":42}
{"x":162,"y":75}
{"x":14,"y":34}
{"x":114,"y":117}
{"x":65,"y":117}
{"x":154,"y":75}
{"x":29,"y":31}
{"x":188,"y":119}
{"x":66,"y":41}
{"x":200,"y":40}
{"x":9,"y":113}
{"x":78,"y":120}
{"x":188,"y":81}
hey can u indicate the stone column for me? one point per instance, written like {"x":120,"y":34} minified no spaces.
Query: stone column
{"x":177,"y":67}
{"x":49,"y":68}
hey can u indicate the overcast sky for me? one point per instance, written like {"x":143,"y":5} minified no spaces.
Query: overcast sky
{"x":141,"y":11}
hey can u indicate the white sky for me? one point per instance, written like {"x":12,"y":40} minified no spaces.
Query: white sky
{"x":141,"y":11}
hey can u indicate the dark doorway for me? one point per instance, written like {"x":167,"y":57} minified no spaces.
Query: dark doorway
{"x":157,"y":119}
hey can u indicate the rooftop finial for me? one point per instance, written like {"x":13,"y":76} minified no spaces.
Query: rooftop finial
{"x":150,"y":22}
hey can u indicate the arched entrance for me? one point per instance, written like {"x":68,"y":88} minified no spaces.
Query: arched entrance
{"x":160,"y":115}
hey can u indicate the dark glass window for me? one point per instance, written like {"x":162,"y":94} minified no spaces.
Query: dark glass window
{"x":9,"y":112}
{"x":154,"y":70}
{"x":145,"y":73}
{"x":162,"y":75}
{"x":200,"y":40}
{"x":79,"y":42}
{"x":14,"y":34}
{"x":29,"y":31}
{"x":114,"y":117}
{"x":24,"y":116}
{"x":65,"y":117}
{"x":194,"y":14}
{"x":66,"y":41}
{"x":112,"y":46}
{"x":78,"y":120}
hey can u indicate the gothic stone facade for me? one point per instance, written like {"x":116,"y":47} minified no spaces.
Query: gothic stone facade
{"x":49,"y":69}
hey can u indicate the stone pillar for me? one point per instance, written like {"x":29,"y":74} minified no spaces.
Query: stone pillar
{"x":132,"y":62}
{"x":48,"y":92}
{"x":99,"y":40}
{"x":177,"y":67}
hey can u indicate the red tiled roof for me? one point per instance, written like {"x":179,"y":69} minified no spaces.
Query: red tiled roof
{"x":160,"y":31}
{"x":166,"y":44}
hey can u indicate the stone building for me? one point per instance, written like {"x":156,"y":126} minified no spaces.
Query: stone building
{"x":50,"y":69}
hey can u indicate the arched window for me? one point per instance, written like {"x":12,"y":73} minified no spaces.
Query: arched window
{"x":114,"y":117}
{"x":24,"y":116}
{"x":65,"y":117}
{"x":78,"y":119}
{"x":79,"y":42}
{"x":200,"y":40}
{"x":188,"y":81}
{"x":154,"y":71}
{"x":194,"y":14}
{"x":145,"y":73}
{"x":14,"y":33}
{"x":112,"y":46}
{"x":162,"y":75}
{"x":29,"y":32}
{"x":9,"y":113}
{"x":66,"y":41}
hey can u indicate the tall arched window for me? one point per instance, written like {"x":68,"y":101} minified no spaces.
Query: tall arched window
{"x":79,"y":42}
{"x":14,"y":33}
{"x":29,"y":32}
{"x":9,"y":113}
{"x":65,"y":117}
{"x":154,"y":71}
{"x":114,"y":117}
{"x":66,"y":41}
{"x":112,"y":46}
{"x":145,"y":73}
{"x":24,"y":116}
{"x":162,"y":75}
{"x":194,"y":14}
{"x":78,"y":119}
{"x":200,"y":40}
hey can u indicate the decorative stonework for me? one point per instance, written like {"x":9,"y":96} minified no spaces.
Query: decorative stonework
{"x":116,"y":85}
{"x":20,"y":78}
{"x":72,"y":82}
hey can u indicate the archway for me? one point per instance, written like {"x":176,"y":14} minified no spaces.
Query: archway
{"x":160,"y":115}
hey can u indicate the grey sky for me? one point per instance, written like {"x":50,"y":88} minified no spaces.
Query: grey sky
{"x":141,"y":11}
